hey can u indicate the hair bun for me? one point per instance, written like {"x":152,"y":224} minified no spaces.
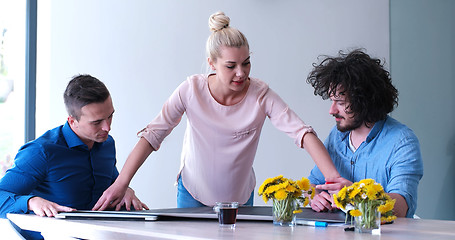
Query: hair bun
{"x":218,"y":21}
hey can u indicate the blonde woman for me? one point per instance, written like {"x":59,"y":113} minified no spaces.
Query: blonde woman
{"x":226,"y":111}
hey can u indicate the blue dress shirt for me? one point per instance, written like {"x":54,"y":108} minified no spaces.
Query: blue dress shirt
{"x":60,"y":168}
{"x":390,"y":155}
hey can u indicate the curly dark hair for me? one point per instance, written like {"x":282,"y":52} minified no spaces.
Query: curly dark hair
{"x":363,"y":80}
{"x":83,"y":90}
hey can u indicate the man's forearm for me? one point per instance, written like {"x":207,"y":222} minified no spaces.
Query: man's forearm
{"x":401,"y":207}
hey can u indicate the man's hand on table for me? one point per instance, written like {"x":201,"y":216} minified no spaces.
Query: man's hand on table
{"x":323,"y":200}
{"x":43,"y":207}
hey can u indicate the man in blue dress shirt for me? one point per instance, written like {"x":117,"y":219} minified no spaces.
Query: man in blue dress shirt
{"x":366,"y":142}
{"x":70,"y":166}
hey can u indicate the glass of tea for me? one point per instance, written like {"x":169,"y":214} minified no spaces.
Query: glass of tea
{"x":227,"y":213}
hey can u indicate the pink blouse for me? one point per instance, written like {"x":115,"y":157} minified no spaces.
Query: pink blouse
{"x":220,"y":141}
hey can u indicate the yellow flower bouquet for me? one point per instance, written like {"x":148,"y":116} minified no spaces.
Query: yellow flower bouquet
{"x":366,"y":197}
{"x":288,"y":196}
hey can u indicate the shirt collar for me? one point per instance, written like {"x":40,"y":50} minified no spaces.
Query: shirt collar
{"x":373,"y":133}
{"x":70,"y":137}
{"x":376,"y":129}
{"x":343,"y":135}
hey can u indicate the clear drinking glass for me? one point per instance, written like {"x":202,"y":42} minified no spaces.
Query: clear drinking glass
{"x":227,"y":213}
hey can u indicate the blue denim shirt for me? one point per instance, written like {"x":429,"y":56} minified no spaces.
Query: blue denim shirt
{"x":390,"y":155}
{"x":60,"y":168}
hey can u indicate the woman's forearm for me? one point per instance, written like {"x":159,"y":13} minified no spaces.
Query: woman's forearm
{"x":135,"y":160}
{"x":319,"y":154}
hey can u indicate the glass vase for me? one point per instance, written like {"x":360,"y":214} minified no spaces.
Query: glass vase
{"x":369,"y":221}
{"x":283,"y":212}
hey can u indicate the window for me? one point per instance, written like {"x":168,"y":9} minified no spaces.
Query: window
{"x":12,"y":79}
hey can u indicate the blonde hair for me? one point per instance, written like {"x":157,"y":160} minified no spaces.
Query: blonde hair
{"x":223,"y":35}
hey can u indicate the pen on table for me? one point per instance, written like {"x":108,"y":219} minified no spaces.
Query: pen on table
{"x":312,"y":223}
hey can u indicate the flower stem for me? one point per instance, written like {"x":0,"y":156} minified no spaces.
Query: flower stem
{"x":283,"y":210}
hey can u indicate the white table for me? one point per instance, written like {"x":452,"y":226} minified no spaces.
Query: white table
{"x":52,"y":228}
{"x":7,"y":231}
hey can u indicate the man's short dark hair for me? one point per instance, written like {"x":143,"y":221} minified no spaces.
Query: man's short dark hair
{"x":363,"y":80}
{"x":83,"y":90}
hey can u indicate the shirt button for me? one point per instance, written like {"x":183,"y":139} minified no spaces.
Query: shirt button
{"x":352,"y":162}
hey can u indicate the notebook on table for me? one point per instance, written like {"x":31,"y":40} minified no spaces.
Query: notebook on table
{"x":255,"y":213}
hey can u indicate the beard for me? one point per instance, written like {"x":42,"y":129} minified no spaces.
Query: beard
{"x":350,"y":125}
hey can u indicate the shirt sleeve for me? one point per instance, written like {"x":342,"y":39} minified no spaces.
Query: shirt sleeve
{"x":284,"y":119}
{"x":406,"y":171}
{"x":19,"y":181}
{"x":316,"y":176}
{"x":167,"y":119}
{"x":115,"y":171}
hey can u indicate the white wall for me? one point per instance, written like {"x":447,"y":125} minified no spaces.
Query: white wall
{"x":143,"y":49}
